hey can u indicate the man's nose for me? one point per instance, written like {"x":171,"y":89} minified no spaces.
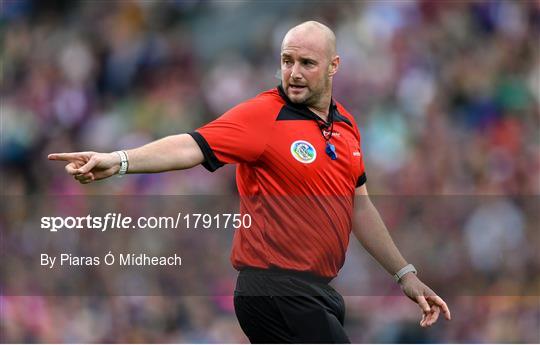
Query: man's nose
{"x":295,"y":71}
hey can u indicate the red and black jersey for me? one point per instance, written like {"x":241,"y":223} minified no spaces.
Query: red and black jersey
{"x":300,"y":200}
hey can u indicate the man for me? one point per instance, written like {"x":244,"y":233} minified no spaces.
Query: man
{"x":299,"y":167}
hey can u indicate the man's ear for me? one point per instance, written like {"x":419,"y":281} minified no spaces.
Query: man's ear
{"x":334,"y":66}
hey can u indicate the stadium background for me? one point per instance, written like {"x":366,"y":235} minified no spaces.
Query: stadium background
{"x":446,"y":94}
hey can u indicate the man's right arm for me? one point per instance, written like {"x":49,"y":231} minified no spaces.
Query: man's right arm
{"x":174,"y":152}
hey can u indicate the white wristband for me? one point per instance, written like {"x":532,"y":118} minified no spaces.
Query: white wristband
{"x":404,"y":271}
{"x":124,"y":163}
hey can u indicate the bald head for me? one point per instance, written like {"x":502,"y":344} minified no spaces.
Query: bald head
{"x":313,"y":34}
{"x":308,"y":64}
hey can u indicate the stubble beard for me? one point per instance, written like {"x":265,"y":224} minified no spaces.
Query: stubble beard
{"x":312,"y":98}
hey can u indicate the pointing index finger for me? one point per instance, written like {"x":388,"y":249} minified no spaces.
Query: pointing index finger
{"x":64,"y":156}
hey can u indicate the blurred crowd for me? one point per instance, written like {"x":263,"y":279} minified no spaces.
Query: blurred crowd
{"x":446,"y":95}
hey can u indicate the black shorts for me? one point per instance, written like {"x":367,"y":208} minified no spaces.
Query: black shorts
{"x":274,"y":306}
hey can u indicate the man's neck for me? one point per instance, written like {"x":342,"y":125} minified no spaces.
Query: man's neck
{"x":322,"y":108}
{"x":321,"y":114}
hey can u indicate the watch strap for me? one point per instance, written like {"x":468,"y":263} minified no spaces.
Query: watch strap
{"x":408,"y":268}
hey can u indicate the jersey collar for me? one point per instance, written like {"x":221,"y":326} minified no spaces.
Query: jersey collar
{"x":304,"y":110}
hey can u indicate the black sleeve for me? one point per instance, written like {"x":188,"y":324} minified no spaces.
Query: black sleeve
{"x":211,"y":163}
{"x":361,"y":180}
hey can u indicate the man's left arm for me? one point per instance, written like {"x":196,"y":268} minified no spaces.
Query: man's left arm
{"x":370,"y":230}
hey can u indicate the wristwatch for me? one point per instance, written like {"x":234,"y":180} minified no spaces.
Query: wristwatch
{"x":124,"y":163}
{"x":404,"y":271}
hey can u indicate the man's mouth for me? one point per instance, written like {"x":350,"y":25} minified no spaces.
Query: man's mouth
{"x":296,"y":87}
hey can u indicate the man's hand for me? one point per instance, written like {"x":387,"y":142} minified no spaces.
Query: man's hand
{"x":86,"y":167}
{"x":427,"y":300}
